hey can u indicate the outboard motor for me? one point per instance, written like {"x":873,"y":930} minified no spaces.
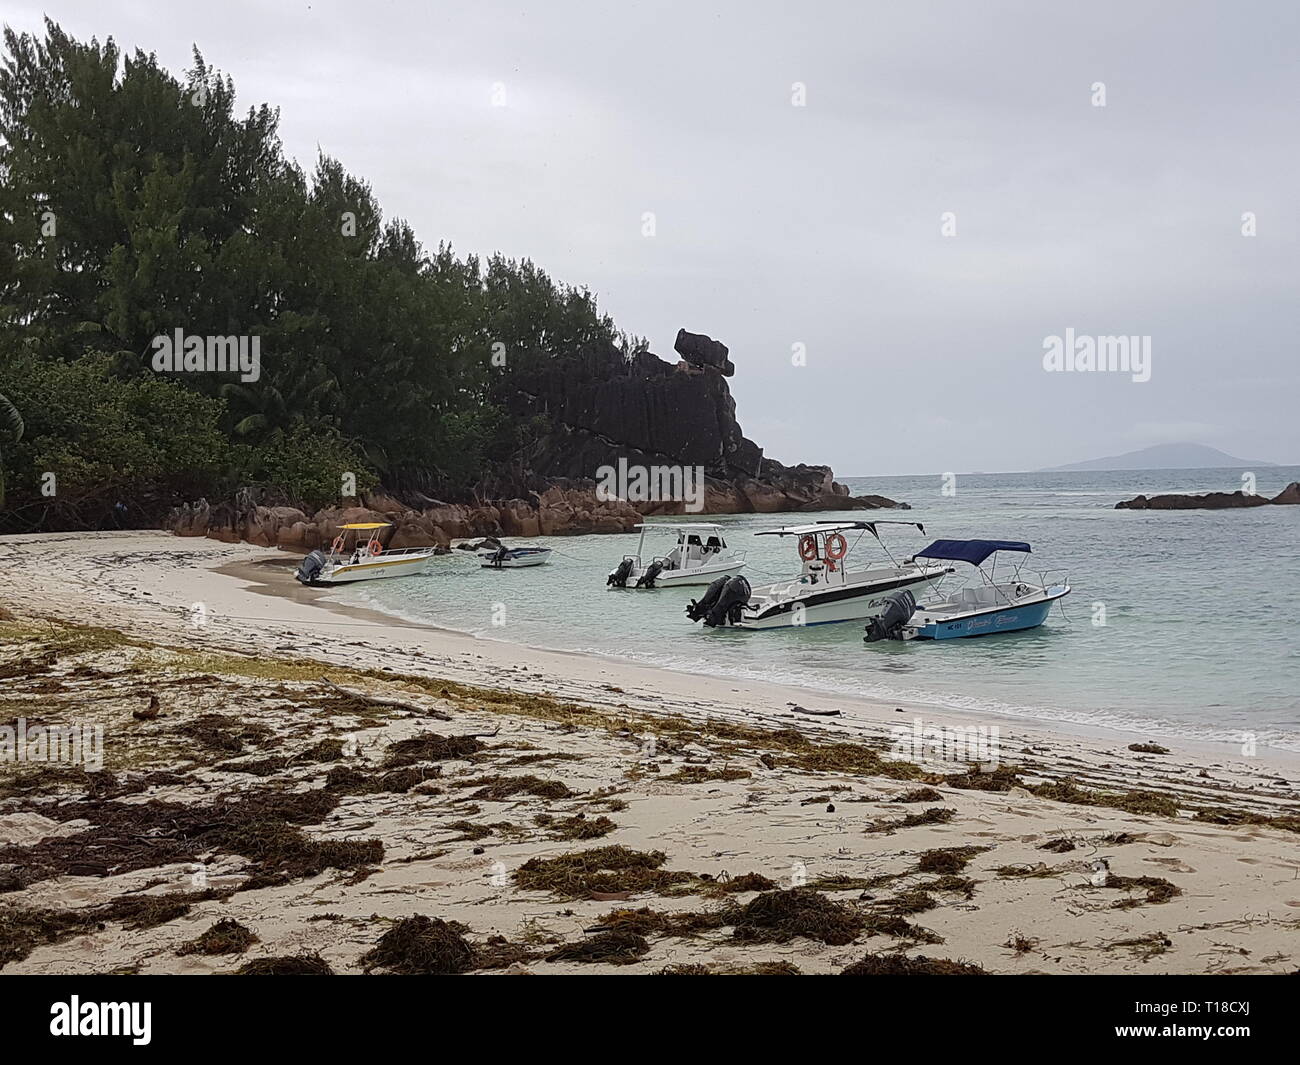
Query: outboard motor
{"x":618,"y":579}
{"x":310,"y":567}
{"x":896,"y":613}
{"x":697,"y":609}
{"x":730,"y":602}
{"x":647,"y":579}
{"x":498,"y":556}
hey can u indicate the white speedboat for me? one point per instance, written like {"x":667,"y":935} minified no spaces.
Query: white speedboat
{"x":700,"y":556}
{"x":349,"y":559}
{"x":826,"y":590}
{"x":513,"y":557}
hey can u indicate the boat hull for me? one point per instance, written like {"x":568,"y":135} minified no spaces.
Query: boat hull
{"x":517,"y":561}
{"x":373,"y":570}
{"x":837,"y":605}
{"x":698,"y":575}
{"x":1015,"y":618}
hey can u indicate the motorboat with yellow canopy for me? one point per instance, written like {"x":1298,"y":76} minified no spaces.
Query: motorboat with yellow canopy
{"x":358,"y":554}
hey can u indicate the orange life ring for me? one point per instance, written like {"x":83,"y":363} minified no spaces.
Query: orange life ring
{"x":836,"y":547}
{"x":807,"y":548}
{"x":337,"y":546}
{"x":375,"y":547}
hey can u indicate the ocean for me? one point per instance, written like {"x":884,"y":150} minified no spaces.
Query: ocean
{"x":1180,"y":624}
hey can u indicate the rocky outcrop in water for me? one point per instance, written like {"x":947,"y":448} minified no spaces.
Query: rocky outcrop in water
{"x":1290,"y":495}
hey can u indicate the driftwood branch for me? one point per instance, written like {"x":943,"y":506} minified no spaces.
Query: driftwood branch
{"x":396,"y":704}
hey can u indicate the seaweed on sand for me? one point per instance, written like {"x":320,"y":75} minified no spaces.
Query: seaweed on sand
{"x":347,"y":780}
{"x":899,"y":965}
{"x":295,"y":965}
{"x":913,"y":901}
{"x":498,"y":787}
{"x":882,"y":925}
{"x":1134,"y":802}
{"x":579,"y":826}
{"x":422,"y":944}
{"x":1158,"y":889}
{"x":854,"y":758}
{"x":430,"y":747}
{"x":23,"y":929}
{"x":648,"y":922}
{"x":918,"y":795}
{"x":699,"y":774}
{"x":761,"y":968}
{"x":260,"y":826}
{"x":219,"y":732}
{"x":935,"y":815}
{"x":947,"y":860}
{"x":780,"y":916}
{"x":1003,"y":778}
{"x":227,"y":936}
{"x":604,"y":869}
{"x":738,"y":885}
{"x":616,"y":947}
{"x":1221,"y":815}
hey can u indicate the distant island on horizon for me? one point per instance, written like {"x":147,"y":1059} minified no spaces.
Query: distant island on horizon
{"x":1162,"y":457}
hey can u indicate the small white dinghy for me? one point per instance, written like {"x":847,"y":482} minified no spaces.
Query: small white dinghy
{"x":513,"y":557}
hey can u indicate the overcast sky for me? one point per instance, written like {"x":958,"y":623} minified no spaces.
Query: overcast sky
{"x":820,"y":225}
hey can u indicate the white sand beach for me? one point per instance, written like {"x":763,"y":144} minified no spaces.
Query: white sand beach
{"x":1073,"y":886}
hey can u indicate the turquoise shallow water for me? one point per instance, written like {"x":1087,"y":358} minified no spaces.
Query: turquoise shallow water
{"x":1202,"y":608}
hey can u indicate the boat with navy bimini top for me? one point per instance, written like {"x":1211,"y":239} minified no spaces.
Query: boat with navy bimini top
{"x":980,"y":607}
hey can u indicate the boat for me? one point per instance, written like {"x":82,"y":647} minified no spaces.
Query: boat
{"x":979,"y":608}
{"x":700,"y":556}
{"x":513,"y":557}
{"x":349,"y":559}
{"x":826,"y":589}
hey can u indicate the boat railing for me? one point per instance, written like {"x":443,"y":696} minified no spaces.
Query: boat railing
{"x":399,"y":552}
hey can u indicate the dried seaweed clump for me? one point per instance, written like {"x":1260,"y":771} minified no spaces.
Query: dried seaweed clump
{"x":289,"y":965}
{"x":1133,"y":802}
{"x":620,"y":946}
{"x":1003,"y":778}
{"x":738,"y":885}
{"x":648,"y":922}
{"x":219,"y":732}
{"x":497,"y":788}
{"x":430,"y":747}
{"x":227,"y":936}
{"x":854,"y":758}
{"x":420,"y":944}
{"x":22,"y":930}
{"x":881,"y":925}
{"x":898,"y":965}
{"x":918,"y":795}
{"x":604,"y":869}
{"x":935,"y":815}
{"x":1158,"y":889}
{"x":947,"y":860}
{"x":579,"y":826}
{"x":699,"y":774}
{"x":780,"y":916}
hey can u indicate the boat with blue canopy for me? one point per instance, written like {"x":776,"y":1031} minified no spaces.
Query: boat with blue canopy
{"x":992,"y":603}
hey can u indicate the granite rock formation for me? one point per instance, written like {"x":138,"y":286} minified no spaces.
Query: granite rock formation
{"x":1212,"y":500}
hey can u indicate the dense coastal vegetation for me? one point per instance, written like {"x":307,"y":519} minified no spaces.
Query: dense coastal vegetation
{"x":136,"y":203}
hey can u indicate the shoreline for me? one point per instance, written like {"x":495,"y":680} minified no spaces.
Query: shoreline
{"x":392,"y":775}
{"x":234,"y":581}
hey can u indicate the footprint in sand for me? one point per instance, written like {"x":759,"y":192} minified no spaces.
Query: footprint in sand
{"x":1174,"y":864}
